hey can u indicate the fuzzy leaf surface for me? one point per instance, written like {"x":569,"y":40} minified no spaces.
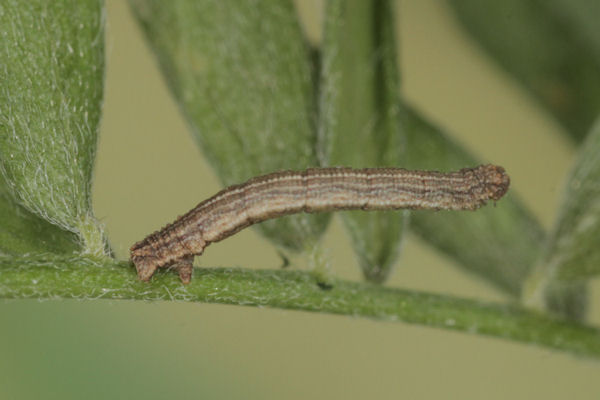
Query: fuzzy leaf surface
{"x":241,"y":72}
{"x":22,"y":232}
{"x":574,"y":250}
{"x":52,"y":76}
{"x":360,"y":125}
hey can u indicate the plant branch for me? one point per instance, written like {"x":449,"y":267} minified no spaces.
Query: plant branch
{"x":53,"y":277}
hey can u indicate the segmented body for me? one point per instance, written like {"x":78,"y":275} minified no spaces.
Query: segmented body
{"x":312,"y":190}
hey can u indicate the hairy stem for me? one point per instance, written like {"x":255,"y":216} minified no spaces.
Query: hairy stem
{"x":52,"y":277}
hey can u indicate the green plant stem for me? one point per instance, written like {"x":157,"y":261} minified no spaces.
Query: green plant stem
{"x":52,"y":277}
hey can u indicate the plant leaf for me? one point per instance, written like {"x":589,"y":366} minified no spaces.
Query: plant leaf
{"x":552,"y":47}
{"x":50,"y":101}
{"x":241,"y":72}
{"x":581,"y":16}
{"x":23,"y":232}
{"x":360,"y":125}
{"x":500,"y":244}
{"x":573,"y":254}
{"x":574,"y":247}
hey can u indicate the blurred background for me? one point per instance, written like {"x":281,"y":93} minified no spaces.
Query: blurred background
{"x":149,"y":170}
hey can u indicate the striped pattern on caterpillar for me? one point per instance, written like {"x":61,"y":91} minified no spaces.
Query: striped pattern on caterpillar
{"x":311,"y":190}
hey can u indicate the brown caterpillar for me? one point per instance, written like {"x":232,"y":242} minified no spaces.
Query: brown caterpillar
{"x":311,"y":190}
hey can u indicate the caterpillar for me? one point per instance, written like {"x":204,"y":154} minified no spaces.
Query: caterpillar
{"x":312,"y":190}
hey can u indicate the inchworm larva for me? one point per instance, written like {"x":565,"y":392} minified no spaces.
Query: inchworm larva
{"x":312,"y":190}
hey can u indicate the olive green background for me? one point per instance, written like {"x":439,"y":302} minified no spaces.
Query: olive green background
{"x":149,"y":170}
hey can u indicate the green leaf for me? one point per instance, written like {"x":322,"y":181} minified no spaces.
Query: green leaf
{"x":241,"y":72}
{"x":360,"y":125}
{"x":52,"y":77}
{"x":574,"y":248}
{"x":23,"y":232}
{"x":582,"y":17}
{"x":552,"y":47}
{"x":500,"y":244}
{"x":83,"y":278}
{"x":573,"y":253}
